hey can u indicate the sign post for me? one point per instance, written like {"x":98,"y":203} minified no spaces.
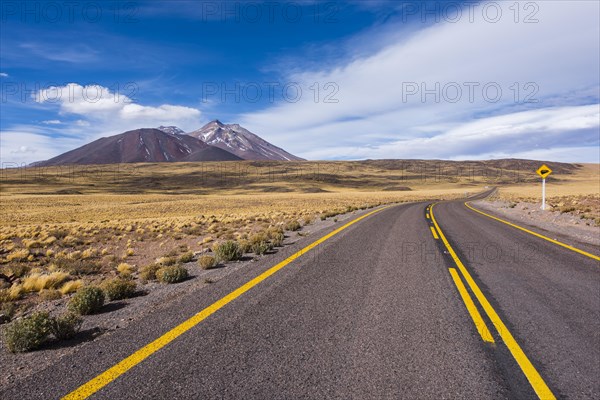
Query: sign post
{"x":544,"y":171}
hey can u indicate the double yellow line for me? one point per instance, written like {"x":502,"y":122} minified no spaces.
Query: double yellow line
{"x":134,"y":359}
{"x":533,"y":376}
{"x":566,"y":246}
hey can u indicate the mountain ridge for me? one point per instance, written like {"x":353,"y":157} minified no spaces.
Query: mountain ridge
{"x":142,"y":145}
{"x":238,"y":140}
{"x":215,"y":141}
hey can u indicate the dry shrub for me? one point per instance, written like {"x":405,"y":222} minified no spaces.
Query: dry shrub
{"x":172,"y":274}
{"x":207,"y":262}
{"x":119,"y":288}
{"x":71,"y":286}
{"x":18,"y":255}
{"x":37,"y":282}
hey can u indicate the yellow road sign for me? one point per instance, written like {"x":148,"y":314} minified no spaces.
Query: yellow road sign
{"x":544,"y":171}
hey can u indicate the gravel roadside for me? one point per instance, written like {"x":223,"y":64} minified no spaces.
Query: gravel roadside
{"x":567,"y":224}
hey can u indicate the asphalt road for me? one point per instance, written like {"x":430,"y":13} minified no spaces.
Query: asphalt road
{"x":371,"y":313}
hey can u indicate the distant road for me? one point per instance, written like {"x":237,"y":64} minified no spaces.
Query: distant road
{"x":380,"y":310}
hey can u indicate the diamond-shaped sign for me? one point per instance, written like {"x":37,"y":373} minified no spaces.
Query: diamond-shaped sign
{"x":544,"y":171}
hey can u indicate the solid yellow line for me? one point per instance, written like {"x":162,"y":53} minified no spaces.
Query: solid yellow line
{"x":140,"y":355}
{"x":585,"y":253}
{"x":533,"y":376}
{"x":434,"y":233}
{"x":473,"y":311}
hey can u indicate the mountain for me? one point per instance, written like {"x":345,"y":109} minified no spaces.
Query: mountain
{"x":173,"y":130}
{"x":241,"y":142}
{"x":142,"y":145}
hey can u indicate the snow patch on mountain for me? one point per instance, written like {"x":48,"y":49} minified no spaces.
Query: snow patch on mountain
{"x":241,"y":142}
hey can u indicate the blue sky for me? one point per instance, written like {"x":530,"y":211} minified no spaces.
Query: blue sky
{"x":324,"y":80}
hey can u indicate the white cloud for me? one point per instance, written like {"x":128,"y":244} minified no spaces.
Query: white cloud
{"x":107,"y":109}
{"x":52,"y":122}
{"x":558,"y":55}
{"x":4,"y":74}
{"x":527,"y":132}
{"x":23,"y":149}
{"x":18,"y":147}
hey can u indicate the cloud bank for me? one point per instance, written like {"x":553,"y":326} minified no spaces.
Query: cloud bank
{"x":468,"y":89}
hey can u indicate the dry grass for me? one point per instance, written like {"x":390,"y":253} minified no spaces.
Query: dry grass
{"x":37,"y":282}
{"x":578,"y":195}
{"x":86,"y":222}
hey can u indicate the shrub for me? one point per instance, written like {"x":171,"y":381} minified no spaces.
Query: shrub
{"x":65,"y":326}
{"x":148,"y":273}
{"x":124,"y":269}
{"x":261,"y":248}
{"x":293,"y":225}
{"x":186,"y":257}
{"x":118,"y":289}
{"x":245,"y":246}
{"x":258,"y":238}
{"x":87,"y":300}
{"x":8,"y":311}
{"x":172,"y":274}
{"x":228,"y":251}
{"x":207,"y":262}
{"x":167,"y":260}
{"x":27,"y":333}
{"x":50,"y":294}
{"x":78,"y":267}
{"x":277,"y":239}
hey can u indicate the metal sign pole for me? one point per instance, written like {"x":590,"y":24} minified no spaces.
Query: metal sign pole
{"x":543,"y":193}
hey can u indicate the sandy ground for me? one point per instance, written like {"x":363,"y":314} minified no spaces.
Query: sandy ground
{"x":583,"y":230}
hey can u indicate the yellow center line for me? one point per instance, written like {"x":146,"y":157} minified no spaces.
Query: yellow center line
{"x":140,"y":355}
{"x":434,"y":233}
{"x":533,"y":376}
{"x":585,"y":253}
{"x":473,"y":311}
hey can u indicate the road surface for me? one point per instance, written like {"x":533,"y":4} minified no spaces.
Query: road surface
{"x":374,"y":312}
